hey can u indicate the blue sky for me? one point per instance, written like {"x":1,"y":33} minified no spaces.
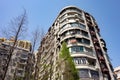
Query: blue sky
{"x":43,"y":13}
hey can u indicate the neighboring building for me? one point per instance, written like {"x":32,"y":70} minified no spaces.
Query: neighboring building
{"x":117,"y":72}
{"x":29,"y":70}
{"x":19,"y":60}
{"x":88,"y":49}
{"x":35,"y":65}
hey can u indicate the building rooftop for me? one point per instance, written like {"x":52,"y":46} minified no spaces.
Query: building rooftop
{"x":117,"y":68}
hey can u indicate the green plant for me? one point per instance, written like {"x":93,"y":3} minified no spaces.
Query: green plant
{"x":67,"y":64}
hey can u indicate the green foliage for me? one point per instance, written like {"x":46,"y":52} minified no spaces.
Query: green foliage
{"x":70,"y":72}
{"x":28,"y":76}
{"x":18,"y":78}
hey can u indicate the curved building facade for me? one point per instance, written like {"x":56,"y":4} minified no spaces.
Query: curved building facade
{"x":82,"y":35}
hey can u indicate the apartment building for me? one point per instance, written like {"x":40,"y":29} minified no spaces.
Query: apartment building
{"x":117,"y":72}
{"x":19,"y":60}
{"x":80,"y":31}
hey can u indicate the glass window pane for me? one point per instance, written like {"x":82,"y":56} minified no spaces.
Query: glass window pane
{"x":88,"y":49}
{"x":77,"y":49}
{"x":83,"y":73}
{"x":81,"y":48}
{"x":78,"y":31}
{"x":79,"y":60}
{"x":84,"y":33}
{"x":94,"y":75}
{"x":82,"y":26}
{"x":79,"y":40}
{"x":74,"y":24}
{"x":86,"y":41}
{"x":83,"y":60}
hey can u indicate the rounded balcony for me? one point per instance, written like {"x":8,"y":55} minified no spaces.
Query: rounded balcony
{"x":68,"y":28}
{"x":85,"y":66}
{"x":63,"y":38}
{"x":84,"y":62}
{"x":84,"y":54}
{"x":70,"y":9}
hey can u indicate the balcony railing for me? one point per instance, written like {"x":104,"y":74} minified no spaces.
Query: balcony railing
{"x":75,"y":36}
{"x":87,"y":66}
{"x":68,"y":16}
{"x":72,"y":16}
{"x":63,"y":23}
{"x":91,"y":54}
{"x":89,"y":79}
{"x":68,"y":11}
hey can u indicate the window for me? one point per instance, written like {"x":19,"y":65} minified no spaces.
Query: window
{"x":74,"y":24}
{"x":91,"y":62}
{"x":83,"y":60}
{"x":85,"y":41}
{"x":94,"y":75}
{"x":81,"y":48}
{"x":22,"y":60}
{"x":79,"y":40}
{"x":24,"y":55}
{"x":80,"y":60}
{"x":80,"y":15}
{"x":77,"y":31}
{"x":72,"y":32}
{"x":73,"y":41}
{"x":83,"y":73}
{"x":20,"y":72}
{"x":75,"y":49}
{"x":85,"y":33}
{"x":82,"y":26}
{"x":76,"y":61}
{"x":88,"y":49}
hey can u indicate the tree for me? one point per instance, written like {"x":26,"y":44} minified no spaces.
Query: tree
{"x":36,"y":38}
{"x":67,"y":66}
{"x":16,"y":29}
